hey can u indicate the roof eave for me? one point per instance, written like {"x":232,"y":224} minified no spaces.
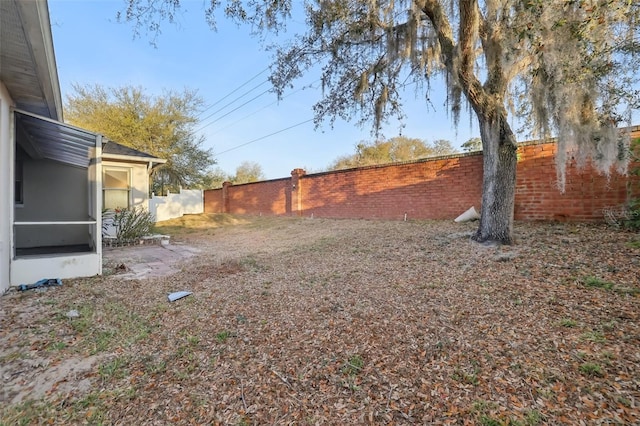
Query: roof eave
{"x":37,"y":24}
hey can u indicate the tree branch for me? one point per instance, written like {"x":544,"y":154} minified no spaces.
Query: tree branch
{"x":459,"y":60}
{"x":442,"y":27}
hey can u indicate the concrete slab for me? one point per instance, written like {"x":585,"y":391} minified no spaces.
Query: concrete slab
{"x":146,"y":261}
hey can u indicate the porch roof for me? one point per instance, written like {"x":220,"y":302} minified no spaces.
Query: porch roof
{"x":54,"y":140}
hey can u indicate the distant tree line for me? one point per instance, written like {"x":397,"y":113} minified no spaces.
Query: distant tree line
{"x":393,"y":150}
{"x":246,"y":172}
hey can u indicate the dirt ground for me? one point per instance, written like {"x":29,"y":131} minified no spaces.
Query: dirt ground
{"x":313,"y":321}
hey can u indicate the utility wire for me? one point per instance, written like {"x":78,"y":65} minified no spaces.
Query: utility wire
{"x":234,"y":91}
{"x":233,"y":110}
{"x":261,"y":109}
{"x":263,"y":137}
{"x":239,"y":97}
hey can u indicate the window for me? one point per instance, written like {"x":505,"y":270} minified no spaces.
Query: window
{"x":116,"y":188}
{"x":18,"y":196}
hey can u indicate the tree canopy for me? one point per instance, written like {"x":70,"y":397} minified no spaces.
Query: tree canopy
{"x":569,"y":67}
{"x":158,"y":125}
{"x":248,"y":171}
{"x":396,"y":149}
{"x":217,"y":177}
{"x":473,"y":144}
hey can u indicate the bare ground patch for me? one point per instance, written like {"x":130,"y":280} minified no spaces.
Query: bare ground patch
{"x":300,"y":321}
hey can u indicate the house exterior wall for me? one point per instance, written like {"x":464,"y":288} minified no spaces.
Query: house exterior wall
{"x":6,"y":187}
{"x":139,"y":196}
{"x":52,"y":192}
{"x":30,"y":270}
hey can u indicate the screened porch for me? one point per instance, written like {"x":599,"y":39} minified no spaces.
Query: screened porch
{"x":57,"y":200}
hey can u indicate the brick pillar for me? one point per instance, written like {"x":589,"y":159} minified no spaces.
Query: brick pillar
{"x":296,"y":191}
{"x":225,"y":197}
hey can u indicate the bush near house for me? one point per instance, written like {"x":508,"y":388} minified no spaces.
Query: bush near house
{"x":129,"y":224}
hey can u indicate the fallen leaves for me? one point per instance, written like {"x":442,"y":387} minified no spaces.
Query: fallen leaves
{"x":297,"y":321}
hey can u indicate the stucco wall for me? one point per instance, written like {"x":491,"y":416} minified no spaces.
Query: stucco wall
{"x":6,"y":187}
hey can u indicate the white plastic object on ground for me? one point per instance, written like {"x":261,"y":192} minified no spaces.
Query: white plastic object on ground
{"x":178,"y":295}
{"x":470,"y":214}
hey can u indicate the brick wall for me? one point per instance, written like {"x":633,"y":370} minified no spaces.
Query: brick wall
{"x":586,"y":193}
{"x":272,"y":197}
{"x":440,"y":188}
{"x":432,"y":189}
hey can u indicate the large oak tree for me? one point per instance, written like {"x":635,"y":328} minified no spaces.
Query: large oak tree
{"x":567,"y":65}
{"x":159,"y":125}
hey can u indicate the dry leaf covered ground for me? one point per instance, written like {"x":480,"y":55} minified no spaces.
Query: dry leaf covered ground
{"x":311,"y":321}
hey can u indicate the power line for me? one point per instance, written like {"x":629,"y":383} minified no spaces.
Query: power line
{"x":264,"y":137}
{"x":258,"y":110}
{"x":243,"y":118}
{"x":239,"y":97}
{"x":233,"y":91}
{"x":233,"y":110}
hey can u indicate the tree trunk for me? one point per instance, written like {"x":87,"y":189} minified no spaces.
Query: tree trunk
{"x":499,"y":180}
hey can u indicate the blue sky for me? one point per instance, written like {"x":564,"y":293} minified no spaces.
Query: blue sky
{"x":93,"y":48}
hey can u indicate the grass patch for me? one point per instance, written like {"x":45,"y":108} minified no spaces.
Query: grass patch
{"x":117,"y":368}
{"x":470,"y":378}
{"x":596,"y":282}
{"x":593,"y":336}
{"x":489,"y":421}
{"x":191,"y":223}
{"x":568,"y":322}
{"x":353,"y":366}
{"x":591,"y":369}
{"x":482,"y":406}
{"x":106,"y":327}
{"x":223,"y":336}
{"x":533,"y":418}
{"x":26,"y":413}
{"x":57,"y":346}
{"x":93,"y":405}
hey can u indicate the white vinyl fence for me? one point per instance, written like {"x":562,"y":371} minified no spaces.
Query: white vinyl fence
{"x":188,"y":201}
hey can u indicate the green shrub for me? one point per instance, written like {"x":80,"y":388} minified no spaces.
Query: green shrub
{"x":633,"y":214}
{"x":130,"y":224}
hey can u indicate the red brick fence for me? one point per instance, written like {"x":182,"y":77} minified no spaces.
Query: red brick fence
{"x":439,"y":188}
